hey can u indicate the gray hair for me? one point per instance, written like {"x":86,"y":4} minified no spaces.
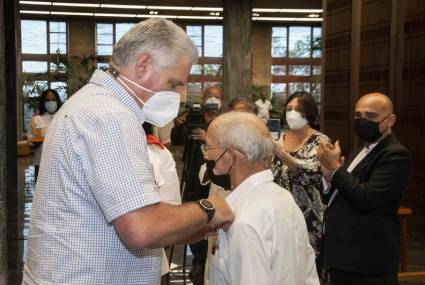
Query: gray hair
{"x":246,"y":133}
{"x":163,"y":40}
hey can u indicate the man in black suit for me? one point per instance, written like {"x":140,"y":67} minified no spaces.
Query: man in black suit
{"x":361,"y":228}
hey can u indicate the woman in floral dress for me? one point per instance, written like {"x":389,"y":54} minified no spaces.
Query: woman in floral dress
{"x":296,"y":166}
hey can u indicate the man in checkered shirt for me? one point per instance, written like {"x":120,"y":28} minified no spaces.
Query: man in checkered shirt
{"x":96,"y":216}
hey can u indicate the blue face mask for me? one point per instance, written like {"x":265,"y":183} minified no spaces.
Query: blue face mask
{"x":51,"y":106}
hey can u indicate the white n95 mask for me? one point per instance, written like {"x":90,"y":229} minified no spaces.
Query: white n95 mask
{"x":213,"y":100}
{"x":161,"y":108}
{"x":295,"y":120}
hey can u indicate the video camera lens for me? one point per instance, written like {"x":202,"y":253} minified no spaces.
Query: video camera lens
{"x":195,"y":116}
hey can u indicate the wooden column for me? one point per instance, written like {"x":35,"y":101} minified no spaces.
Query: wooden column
{"x":237,"y":63}
{"x":8,"y":128}
{"x":8,"y":137}
{"x":3,"y":155}
{"x":354,"y":69}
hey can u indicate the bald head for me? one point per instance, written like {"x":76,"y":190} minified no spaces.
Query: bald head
{"x":376,"y":107}
{"x":244,"y":132}
{"x":378,"y":101}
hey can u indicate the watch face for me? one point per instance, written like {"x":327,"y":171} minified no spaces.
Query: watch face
{"x":207,"y":204}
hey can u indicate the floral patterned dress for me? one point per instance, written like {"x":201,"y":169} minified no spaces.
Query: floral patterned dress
{"x":305,"y":186}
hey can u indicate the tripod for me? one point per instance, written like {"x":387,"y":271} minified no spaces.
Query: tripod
{"x":190,"y":187}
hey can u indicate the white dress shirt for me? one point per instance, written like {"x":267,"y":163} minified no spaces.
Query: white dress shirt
{"x":167,"y":180}
{"x":268,"y":241}
{"x":165,"y":171}
{"x":263,"y":108}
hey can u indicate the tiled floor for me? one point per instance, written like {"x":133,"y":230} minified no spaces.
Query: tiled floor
{"x":21,"y":205}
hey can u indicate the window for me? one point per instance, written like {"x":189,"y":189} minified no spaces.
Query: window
{"x":104,"y":39}
{"x":57,"y":37}
{"x":278,"y":69}
{"x":209,"y":69}
{"x":296,"y":61}
{"x":299,"y":42}
{"x":279,"y":41}
{"x":43,"y":37}
{"x":44,"y":49}
{"x":316,"y":44}
{"x":107,"y":34}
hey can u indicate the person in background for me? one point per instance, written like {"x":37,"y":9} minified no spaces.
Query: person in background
{"x":264,"y":106}
{"x":242,"y":104}
{"x":296,"y":166}
{"x":166,"y":178}
{"x":268,"y":240}
{"x":192,"y":139}
{"x":362,"y":228}
{"x":163,"y":134}
{"x":96,"y":204}
{"x":49,"y":104}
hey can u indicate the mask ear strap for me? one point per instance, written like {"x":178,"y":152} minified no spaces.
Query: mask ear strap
{"x":233,"y":163}
{"x":221,"y":155}
{"x":386,"y":117}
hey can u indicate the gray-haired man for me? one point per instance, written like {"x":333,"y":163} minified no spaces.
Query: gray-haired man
{"x":97,"y":216}
{"x":268,"y":240}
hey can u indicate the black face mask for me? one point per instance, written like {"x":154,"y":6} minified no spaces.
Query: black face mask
{"x":367,"y":130}
{"x":222,"y":180}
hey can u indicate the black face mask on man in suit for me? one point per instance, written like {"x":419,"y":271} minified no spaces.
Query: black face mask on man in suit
{"x":368,"y":130}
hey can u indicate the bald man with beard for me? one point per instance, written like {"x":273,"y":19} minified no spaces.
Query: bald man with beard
{"x":361,"y":227}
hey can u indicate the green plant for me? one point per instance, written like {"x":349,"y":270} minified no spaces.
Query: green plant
{"x":256,"y":90}
{"x":80,"y":70}
{"x":31,"y":91}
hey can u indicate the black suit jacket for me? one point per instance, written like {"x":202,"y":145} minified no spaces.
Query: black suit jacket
{"x":362,"y":231}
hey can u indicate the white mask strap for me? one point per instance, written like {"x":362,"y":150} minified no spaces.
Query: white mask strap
{"x":129,"y":89}
{"x":135,"y":84}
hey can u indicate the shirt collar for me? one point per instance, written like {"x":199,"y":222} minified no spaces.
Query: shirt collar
{"x":107,"y":81}
{"x":371,"y":146}
{"x":249,"y":184}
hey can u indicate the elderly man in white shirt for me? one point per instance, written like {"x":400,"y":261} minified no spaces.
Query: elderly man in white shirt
{"x":268,"y":240}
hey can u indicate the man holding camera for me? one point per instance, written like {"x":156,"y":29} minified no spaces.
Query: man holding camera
{"x":189,"y":130}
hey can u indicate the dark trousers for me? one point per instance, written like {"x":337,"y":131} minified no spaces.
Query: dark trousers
{"x":199,"y":251}
{"x":338,"y":277}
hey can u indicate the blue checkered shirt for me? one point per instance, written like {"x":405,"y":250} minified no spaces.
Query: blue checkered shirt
{"x":94,"y":169}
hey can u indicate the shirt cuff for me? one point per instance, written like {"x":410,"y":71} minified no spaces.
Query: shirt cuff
{"x":326,"y":186}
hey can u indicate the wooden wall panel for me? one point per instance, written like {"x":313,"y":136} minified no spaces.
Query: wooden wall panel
{"x":337,"y":64}
{"x":375,"y":47}
{"x":411,"y":101}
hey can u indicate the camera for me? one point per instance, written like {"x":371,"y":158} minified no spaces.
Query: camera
{"x":195,"y":114}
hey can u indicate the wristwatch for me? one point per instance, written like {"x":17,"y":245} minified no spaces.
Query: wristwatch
{"x":207,"y":207}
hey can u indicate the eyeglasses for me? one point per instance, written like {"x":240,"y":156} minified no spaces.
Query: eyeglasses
{"x":209,"y":95}
{"x":205,"y":148}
